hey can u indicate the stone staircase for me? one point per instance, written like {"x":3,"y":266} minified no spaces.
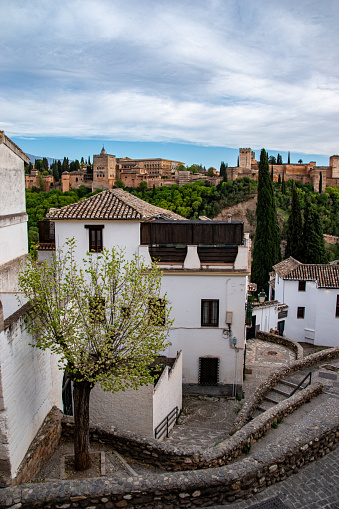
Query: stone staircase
{"x":280,"y":392}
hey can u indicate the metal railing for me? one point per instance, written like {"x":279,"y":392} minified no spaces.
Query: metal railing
{"x":165,"y":424}
{"x":309,"y":375}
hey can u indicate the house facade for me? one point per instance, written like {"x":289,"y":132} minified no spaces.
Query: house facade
{"x":30,"y":382}
{"x":205,"y":270}
{"x":311,"y":292}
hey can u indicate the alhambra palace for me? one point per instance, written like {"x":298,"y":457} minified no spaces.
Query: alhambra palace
{"x":107,"y":169}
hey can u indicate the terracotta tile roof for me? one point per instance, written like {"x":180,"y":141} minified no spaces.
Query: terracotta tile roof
{"x":111,"y":204}
{"x":286,"y":266}
{"x":327,"y":276}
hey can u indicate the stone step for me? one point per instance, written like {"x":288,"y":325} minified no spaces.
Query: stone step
{"x":279,"y":391}
{"x":271,"y":400}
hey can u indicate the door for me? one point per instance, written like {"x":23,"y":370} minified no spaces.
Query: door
{"x":281,"y":327}
{"x":208,"y":370}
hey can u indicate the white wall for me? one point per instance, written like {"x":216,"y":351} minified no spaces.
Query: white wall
{"x":266,"y":317}
{"x":13,"y":229}
{"x":327,"y":333}
{"x":141,"y":410}
{"x":184,"y":293}
{"x":125,"y":234}
{"x":129,"y":410}
{"x":167,"y":393}
{"x":31,"y":385}
{"x":295,"y":327}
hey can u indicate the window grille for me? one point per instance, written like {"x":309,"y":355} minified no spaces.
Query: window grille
{"x":208,"y":370}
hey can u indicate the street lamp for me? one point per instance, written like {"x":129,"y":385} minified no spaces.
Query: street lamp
{"x":262,"y":296}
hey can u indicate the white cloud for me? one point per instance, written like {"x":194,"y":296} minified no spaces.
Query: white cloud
{"x":220,"y":73}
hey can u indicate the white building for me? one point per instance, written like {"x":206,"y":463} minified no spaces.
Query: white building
{"x":205,"y":269}
{"x":311,"y":292}
{"x":30,"y":383}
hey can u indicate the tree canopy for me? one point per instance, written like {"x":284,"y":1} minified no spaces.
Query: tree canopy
{"x":266,"y":251}
{"x":105,"y":319}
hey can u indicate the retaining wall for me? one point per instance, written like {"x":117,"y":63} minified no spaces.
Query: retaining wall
{"x":281,"y":340}
{"x":253,"y":401}
{"x":185,"y":489}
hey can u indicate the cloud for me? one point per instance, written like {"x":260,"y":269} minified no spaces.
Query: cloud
{"x":224,"y":73}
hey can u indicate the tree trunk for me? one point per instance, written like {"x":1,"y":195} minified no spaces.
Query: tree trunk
{"x":81,"y":395}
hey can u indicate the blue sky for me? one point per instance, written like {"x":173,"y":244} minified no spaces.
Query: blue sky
{"x":184,"y":79}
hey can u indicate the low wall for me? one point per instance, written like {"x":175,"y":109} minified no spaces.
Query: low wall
{"x":281,"y":340}
{"x":253,"y":401}
{"x":199,"y":487}
{"x":42,"y":447}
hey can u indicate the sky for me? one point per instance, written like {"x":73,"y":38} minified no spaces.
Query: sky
{"x":181,"y":79}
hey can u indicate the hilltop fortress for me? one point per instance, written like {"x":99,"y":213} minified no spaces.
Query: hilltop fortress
{"x":304,"y":172}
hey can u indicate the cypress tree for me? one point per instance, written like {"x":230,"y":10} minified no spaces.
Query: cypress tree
{"x":294,"y":234}
{"x":223,"y":171}
{"x":279,"y":159}
{"x":272,"y":173}
{"x":266,"y":252}
{"x":321,"y":182}
{"x":279,"y":180}
{"x":289,"y":158}
{"x":313,"y":239}
{"x":283,"y":185}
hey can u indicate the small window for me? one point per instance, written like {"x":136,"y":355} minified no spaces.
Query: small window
{"x":209,"y":313}
{"x":302,"y":286}
{"x":301,"y":312}
{"x":95,"y":238}
{"x":156,"y":311}
{"x":337,"y":308}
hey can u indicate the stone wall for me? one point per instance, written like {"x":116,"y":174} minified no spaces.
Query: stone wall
{"x":42,"y":447}
{"x":251,"y":404}
{"x":281,"y":340}
{"x":178,"y":489}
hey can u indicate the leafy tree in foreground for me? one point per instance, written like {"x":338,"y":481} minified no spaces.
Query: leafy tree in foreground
{"x":106,"y":320}
{"x":294,"y":232}
{"x":266,"y":251}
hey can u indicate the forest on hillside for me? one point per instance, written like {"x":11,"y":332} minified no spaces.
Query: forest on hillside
{"x":200,"y":199}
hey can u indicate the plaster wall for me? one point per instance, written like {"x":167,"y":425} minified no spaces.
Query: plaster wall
{"x":13,"y":240}
{"x":129,"y":410}
{"x":266,"y":317}
{"x":184,"y":293}
{"x":168,"y":392}
{"x":31,"y":385}
{"x":327,"y":332}
{"x":301,"y":329}
{"x":124,"y":234}
{"x":12,"y":177}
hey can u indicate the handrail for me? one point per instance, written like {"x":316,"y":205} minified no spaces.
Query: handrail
{"x":166,"y":423}
{"x":302,"y":381}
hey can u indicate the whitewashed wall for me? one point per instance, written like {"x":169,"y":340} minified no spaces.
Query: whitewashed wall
{"x":124,"y":234}
{"x":167,"y":393}
{"x":184,"y":293}
{"x":13,"y":217}
{"x":266,"y":317}
{"x":31,"y":385}
{"x":327,"y":324}
{"x":141,"y":410}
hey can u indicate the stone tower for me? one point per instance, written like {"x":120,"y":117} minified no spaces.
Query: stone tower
{"x":104,"y":170}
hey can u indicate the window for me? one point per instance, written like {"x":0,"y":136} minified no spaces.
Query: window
{"x":302,"y":286}
{"x":337,"y":308}
{"x":156,"y":311}
{"x":95,"y":238}
{"x":209,"y":313}
{"x":208,"y":370}
{"x":301,"y":312}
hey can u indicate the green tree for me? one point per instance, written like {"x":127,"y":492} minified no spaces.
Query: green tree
{"x":105,"y":320}
{"x":294,"y":234}
{"x":65,"y":164}
{"x":38,"y":164}
{"x":321,"y":182}
{"x":119,"y":183}
{"x":279,"y":159}
{"x":223,"y":171}
{"x":272,"y":160}
{"x":45,"y":163}
{"x":300,"y":161}
{"x":289,"y":158}
{"x":283,"y":185}
{"x":313,"y":245}
{"x":266,"y":251}
{"x":210,"y":171}
{"x":279,"y":180}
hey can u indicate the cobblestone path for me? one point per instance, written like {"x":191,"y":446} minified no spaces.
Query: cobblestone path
{"x":315,"y":486}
